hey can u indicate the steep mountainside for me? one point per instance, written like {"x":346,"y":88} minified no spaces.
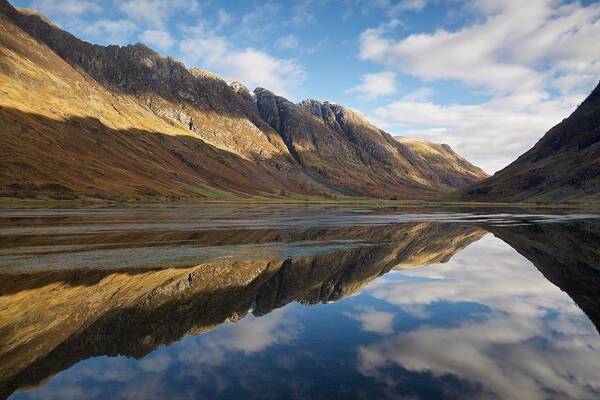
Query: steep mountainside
{"x":563,"y":166}
{"x":433,"y":165}
{"x":81,"y":119}
{"x":122,"y":120}
{"x":338,"y":145}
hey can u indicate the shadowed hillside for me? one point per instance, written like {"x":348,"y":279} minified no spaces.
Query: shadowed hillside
{"x":563,"y":166}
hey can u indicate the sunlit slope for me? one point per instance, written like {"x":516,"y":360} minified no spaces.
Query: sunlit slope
{"x":110,"y":121}
{"x":68,"y":131}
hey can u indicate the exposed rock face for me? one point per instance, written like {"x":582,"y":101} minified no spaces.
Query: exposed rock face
{"x":563,"y":166}
{"x":339,"y":145}
{"x":242,"y":91}
{"x":109,"y":120}
{"x":434,"y":165}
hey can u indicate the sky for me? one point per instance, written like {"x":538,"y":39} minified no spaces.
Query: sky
{"x":487,"y":77}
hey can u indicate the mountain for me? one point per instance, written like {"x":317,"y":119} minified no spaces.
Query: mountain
{"x":564,"y":165}
{"x":123,"y":122}
{"x":433,"y":165}
{"x":338,"y":145}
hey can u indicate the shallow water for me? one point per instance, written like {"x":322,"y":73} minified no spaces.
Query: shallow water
{"x":289,"y":302}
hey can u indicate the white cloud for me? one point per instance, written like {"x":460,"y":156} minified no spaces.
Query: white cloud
{"x":518,"y":54}
{"x":491,"y":134}
{"x":514,"y":46}
{"x":408,"y":5}
{"x":157,"y":38}
{"x":156,"y":12}
{"x":419,"y":95}
{"x":251,"y":66}
{"x":372,"y":320}
{"x":250,"y":335}
{"x":375,"y":85}
{"x":68,"y":7}
{"x":287,"y":42}
{"x":109,"y":31}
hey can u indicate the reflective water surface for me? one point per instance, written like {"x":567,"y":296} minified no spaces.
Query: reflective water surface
{"x":298,"y":302}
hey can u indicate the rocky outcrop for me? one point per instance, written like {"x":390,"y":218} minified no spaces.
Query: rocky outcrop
{"x":564,"y":165}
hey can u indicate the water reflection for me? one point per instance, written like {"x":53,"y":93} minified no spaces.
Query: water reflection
{"x":430,"y":310}
{"x":529,"y":340}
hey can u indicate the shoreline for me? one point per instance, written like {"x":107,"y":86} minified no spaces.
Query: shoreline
{"x":28,"y":203}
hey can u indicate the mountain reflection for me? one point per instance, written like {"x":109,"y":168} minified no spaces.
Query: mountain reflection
{"x":69,"y":316}
{"x":526,"y":339}
{"x":53,"y":318}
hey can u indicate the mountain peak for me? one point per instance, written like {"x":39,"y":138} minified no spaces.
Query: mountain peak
{"x":242,"y":90}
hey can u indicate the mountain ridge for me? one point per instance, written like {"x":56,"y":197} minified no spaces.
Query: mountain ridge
{"x":131,"y":90}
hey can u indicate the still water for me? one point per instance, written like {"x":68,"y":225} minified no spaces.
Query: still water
{"x":308,"y":303}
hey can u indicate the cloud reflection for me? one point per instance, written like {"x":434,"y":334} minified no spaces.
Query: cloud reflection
{"x":250,"y":335}
{"x":373,"y":320}
{"x":534,"y":343}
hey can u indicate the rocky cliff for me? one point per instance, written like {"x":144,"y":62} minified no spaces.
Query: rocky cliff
{"x":338,"y":145}
{"x":108,"y":121}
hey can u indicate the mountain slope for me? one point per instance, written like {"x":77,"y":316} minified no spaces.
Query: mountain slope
{"x":563,"y":166}
{"x":121,"y":120}
{"x":338,"y":145}
{"x":430,"y":164}
{"x":110,"y":121}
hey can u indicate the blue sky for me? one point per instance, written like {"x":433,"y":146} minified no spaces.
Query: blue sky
{"x":488,"y":77}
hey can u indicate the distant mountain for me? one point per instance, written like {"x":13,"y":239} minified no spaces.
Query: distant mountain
{"x":122,"y":122}
{"x":432,"y":165}
{"x":337,"y":145}
{"x":563,"y":166}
